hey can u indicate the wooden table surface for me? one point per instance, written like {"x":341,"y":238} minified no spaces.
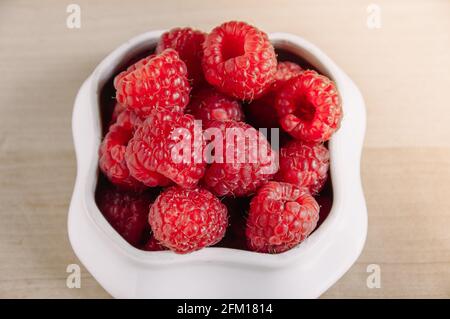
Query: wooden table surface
{"x":402,"y":68}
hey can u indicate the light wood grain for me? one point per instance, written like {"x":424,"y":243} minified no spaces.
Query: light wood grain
{"x":402,"y":70}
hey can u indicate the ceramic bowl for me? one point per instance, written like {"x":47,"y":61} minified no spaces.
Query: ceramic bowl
{"x":303,"y":272}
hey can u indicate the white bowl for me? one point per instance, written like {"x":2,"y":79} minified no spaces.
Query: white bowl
{"x":303,"y":272}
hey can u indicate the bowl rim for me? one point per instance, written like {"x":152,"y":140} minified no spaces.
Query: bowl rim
{"x":308,"y":250}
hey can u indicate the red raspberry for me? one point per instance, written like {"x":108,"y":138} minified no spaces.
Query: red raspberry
{"x":153,"y":245}
{"x":127,"y":212}
{"x":157,"y":147}
{"x":309,"y":107}
{"x":188,"y":43}
{"x":187,"y":220}
{"x":112,"y":151}
{"x":285,"y":71}
{"x":261,"y":112}
{"x":304,"y":165}
{"x":239,"y":60}
{"x":137,"y":65}
{"x":209,"y":104}
{"x":154,"y":82}
{"x":281,"y":216}
{"x":245,"y":161}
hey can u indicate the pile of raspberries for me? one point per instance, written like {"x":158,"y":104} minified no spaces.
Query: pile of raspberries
{"x":157,"y":198}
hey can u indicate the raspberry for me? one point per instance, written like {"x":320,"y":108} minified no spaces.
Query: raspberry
{"x":154,"y":149}
{"x":154,"y":82}
{"x":186,"y":220}
{"x":188,"y":43}
{"x":245,"y":162}
{"x":261,"y":111}
{"x":112,"y":151}
{"x":285,"y":71}
{"x":153,"y":245}
{"x":140,"y":63}
{"x":304,"y":165}
{"x":209,"y":104}
{"x":239,"y":60}
{"x":309,"y":107}
{"x":127,"y":212}
{"x":281,"y":216}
